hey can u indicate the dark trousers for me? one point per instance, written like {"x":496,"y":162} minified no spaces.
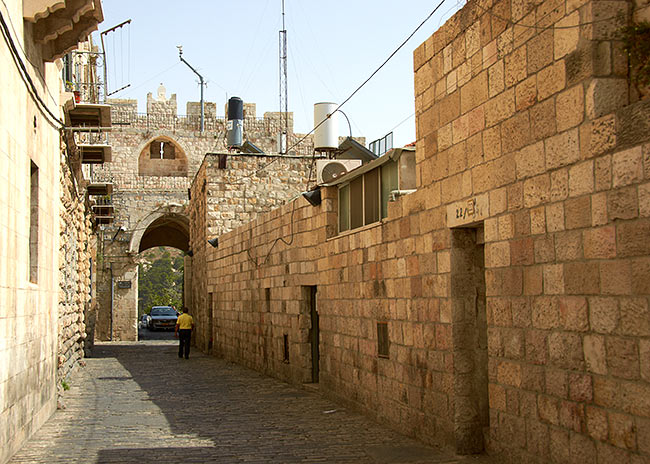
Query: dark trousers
{"x":184,"y":337}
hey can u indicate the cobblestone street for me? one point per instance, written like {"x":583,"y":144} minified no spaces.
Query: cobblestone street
{"x":138,"y":402}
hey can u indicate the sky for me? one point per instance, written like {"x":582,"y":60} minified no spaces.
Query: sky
{"x":333,"y":47}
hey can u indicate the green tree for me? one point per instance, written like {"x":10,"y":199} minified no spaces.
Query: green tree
{"x":160,"y":282}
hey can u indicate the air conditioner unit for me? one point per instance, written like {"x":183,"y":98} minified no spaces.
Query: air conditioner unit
{"x":329,"y":170}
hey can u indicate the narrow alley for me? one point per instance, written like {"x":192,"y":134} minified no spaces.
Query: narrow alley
{"x":140,"y":403}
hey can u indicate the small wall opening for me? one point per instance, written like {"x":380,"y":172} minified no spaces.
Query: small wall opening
{"x":223,"y":158}
{"x":285,"y":348}
{"x":383,"y":344}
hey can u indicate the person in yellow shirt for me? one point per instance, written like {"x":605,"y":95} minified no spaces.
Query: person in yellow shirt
{"x":183,"y":331}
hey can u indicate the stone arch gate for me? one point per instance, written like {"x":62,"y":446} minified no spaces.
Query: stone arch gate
{"x":117,"y":277}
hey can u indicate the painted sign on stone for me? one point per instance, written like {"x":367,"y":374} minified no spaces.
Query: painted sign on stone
{"x":468,"y":212}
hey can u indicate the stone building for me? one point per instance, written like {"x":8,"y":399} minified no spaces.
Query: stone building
{"x":46,"y":224}
{"x":503,"y":304}
{"x":155,"y":157}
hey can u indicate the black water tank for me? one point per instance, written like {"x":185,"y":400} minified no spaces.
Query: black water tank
{"x":235,"y":124}
{"x":235,"y":108}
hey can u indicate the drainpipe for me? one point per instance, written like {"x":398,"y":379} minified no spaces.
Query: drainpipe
{"x":112,"y":298}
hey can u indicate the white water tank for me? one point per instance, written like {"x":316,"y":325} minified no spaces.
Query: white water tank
{"x":326,"y":136}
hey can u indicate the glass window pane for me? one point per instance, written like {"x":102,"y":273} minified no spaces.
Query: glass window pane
{"x":344,"y":208}
{"x":356,"y":203}
{"x":371,"y":196}
{"x":388,"y":184}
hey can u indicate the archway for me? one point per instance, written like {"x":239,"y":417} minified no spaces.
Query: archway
{"x":168,"y":226}
{"x":165,"y":228}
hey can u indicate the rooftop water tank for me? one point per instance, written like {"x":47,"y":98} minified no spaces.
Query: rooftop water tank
{"x":326,"y":136}
{"x":235,"y":125}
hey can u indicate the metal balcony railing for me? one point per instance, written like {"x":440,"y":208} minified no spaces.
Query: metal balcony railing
{"x":82,"y":71}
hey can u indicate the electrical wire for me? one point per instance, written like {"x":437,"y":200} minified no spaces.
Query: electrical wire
{"x":402,"y":122}
{"x":279,"y":239}
{"x":27,"y":79}
{"x":130,"y":89}
{"x":37,"y":68}
{"x":244,"y":64}
{"x":356,"y":90}
{"x":254,"y":261}
{"x":523,"y":32}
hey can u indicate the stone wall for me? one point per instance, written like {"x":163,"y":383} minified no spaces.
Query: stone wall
{"x":225,"y":198}
{"x":513,"y":282}
{"x":75,"y":261}
{"x":30,"y":213}
{"x":525,"y":109}
{"x":144,"y":187}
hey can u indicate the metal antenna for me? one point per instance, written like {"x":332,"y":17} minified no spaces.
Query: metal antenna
{"x":180,"y":55}
{"x":284,"y":97}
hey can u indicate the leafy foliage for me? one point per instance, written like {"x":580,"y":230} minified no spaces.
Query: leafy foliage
{"x":160,"y":281}
{"x":636,"y":42}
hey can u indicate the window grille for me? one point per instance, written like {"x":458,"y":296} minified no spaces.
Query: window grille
{"x":364,"y":200}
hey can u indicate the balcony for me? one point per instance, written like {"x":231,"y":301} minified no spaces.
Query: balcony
{"x":58,"y":26}
{"x":103,"y":211}
{"x":99,"y":189}
{"x":86,"y":114}
{"x":86,"y":119}
{"x":91,"y":144}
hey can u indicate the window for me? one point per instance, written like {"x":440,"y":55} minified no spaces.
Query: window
{"x":344,"y":208}
{"x":222,"y":160}
{"x":160,"y":149}
{"x":33,"y":224}
{"x":162,"y":157}
{"x":371,"y":196}
{"x":388,"y":184}
{"x":382,"y":339}
{"x":364,"y":200}
{"x":356,"y":203}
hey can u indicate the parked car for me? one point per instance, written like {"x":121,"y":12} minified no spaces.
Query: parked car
{"x":145,"y":321}
{"x":162,"y":317}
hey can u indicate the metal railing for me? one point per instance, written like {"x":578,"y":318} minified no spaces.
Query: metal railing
{"x":90,"y":138}
{"x":82,"y":71}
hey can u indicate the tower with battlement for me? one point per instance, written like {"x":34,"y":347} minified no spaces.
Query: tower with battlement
{"x":155,"y":157}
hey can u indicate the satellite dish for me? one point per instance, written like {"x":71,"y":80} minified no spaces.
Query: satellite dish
{"x":333,"y":170}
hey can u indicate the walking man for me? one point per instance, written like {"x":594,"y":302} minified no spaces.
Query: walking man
{"x":183,"y":331}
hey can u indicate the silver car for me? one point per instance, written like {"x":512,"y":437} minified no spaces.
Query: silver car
{"x":162,"y":317}
{"x":144,"y":321}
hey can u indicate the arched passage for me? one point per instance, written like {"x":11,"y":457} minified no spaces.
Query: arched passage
{"x":168,"y":226}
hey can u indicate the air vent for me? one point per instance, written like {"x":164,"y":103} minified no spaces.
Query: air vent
{"x":328,"y":171}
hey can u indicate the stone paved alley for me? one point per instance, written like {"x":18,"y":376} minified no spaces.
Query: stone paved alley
{"x":137,"y":402}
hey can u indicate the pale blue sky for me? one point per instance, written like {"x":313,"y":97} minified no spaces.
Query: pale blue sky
{"x":333,"y":47}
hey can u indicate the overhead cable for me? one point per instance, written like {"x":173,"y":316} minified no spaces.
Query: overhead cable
{"x":24,"y":73}
{"x":358,"y":88}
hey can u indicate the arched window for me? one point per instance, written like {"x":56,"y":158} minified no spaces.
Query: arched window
{"x":162,"y":157}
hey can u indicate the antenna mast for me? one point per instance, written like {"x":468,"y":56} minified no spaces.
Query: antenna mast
{"x":284,"y":98}
{"x":201,"y":82}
